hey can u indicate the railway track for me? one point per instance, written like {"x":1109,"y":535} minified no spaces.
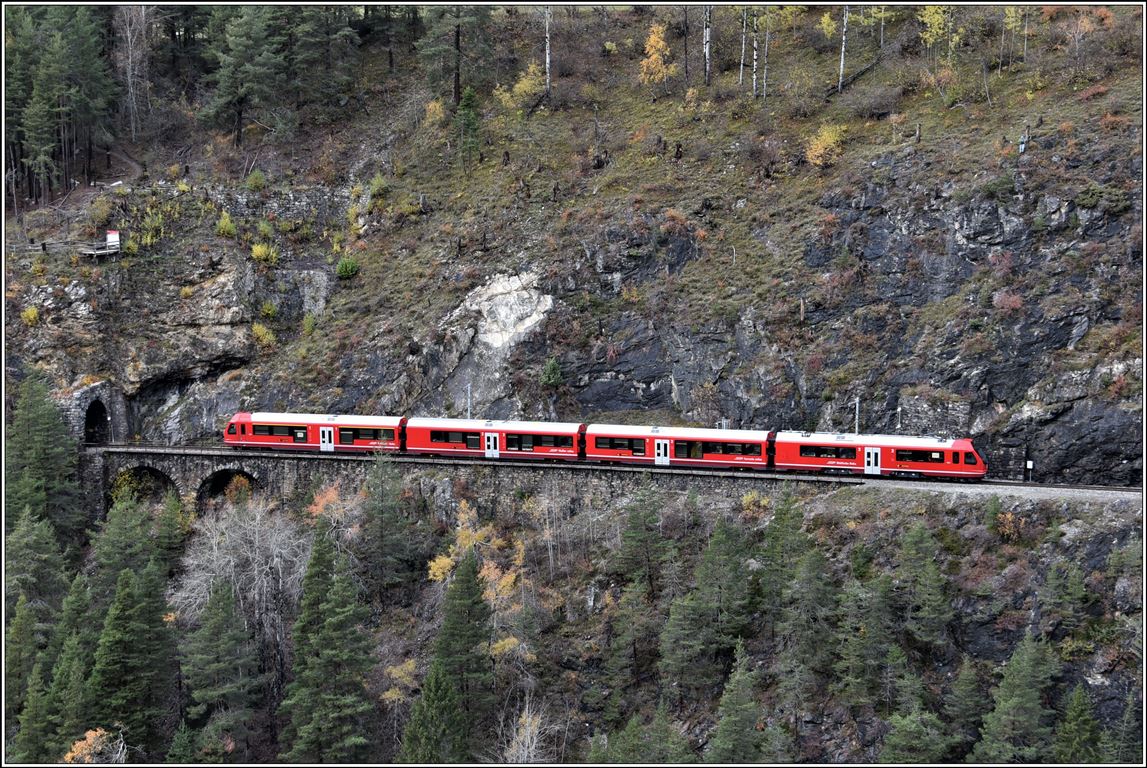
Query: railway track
{"x":1002,"y":485}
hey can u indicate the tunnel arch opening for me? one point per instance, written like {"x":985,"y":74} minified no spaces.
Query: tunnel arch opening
{"x":97,"y":424}
{"x":146,"y":484}
{"x":229,"y":484}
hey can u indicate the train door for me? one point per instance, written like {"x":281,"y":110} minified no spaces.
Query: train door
{"x":661,"y":452}
{"x":491,"y":445}
{"x":326,"y":438}
{"x":872,"y":461}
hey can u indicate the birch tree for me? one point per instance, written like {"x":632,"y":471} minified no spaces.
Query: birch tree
{"x":132,"y":23}
{"x":706,"y":39}
{"x":843,"y":43}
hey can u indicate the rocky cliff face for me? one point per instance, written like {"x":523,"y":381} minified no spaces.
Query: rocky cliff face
{"x":1002,"y":303}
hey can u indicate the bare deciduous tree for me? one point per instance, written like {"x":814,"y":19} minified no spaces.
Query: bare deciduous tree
{"x":263,"y":555}
{"x":529,"y":736}
{"x":132,"y":26}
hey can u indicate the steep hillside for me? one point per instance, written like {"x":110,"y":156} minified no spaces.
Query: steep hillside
{"x":959,"y":267}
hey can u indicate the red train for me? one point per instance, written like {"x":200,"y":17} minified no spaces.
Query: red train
{"x":816,"y":452}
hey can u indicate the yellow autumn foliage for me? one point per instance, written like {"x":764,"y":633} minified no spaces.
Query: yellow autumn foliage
{"x":655,"y":67}
{"x":825,"y":147}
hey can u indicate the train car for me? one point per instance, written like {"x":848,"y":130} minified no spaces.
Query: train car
{"x":315,"y":432}
{"x":495,"y":439}
{"x":676,"y":446}
{"x":887,"y":455}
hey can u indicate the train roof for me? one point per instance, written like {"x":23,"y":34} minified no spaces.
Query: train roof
{"x":686,"y":433}
{"x":327,"y":418}
{"x":875,"y":441}
{"x":481,"y":424}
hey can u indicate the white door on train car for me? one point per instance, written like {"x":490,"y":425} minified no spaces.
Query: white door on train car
{"x":326,"y":438}
{"x":661,"y":452}
{"x":491,"y":445}
{"x":872,"y":461}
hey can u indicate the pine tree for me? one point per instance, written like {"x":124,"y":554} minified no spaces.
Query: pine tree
{"x":316,"y":584}
{"x":1018,"y":727}
{"x":249,"y":68}
{"x":468,"y":121}
{"x":656,"y":743}
{"x":21,"y":646}
{"x":40,"y":454}
{"x":810,"y":603}
{"x":916,"y":736}
{"x":221,"y":668}
{"x":737,"y":739}
{"x":32,"y":742}
{"x":704,"y":625}
{"x":125,"y":679}
{"x":184,"y":747}
{"x":322,"y":54}
{"x":1077,"y":739}
{"x":170,"y":533}
{"x":435,"y":731}
{"x":461,"y":646}
{"x":862,"y":639}
{"x":327,"y":703}
{"x":123,"y":543}
{"x":928,"y":609}
{"x":783,"y":543}
{"x":456,"y":48}
{"x":393,"y":548}
{"x":632,"y":648}
{"x":33,"y":567}
{"x":965,"y":708}
{"x":335,"y":684}
{"x":639,"y":558}
{"x":69,"y":700}
{"x":1123,"y":742}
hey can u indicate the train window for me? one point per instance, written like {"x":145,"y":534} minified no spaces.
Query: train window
{"x":970,"y":458}
{"x":230,"y":429}
{"x":300,"y":434}
{"x":826,"y":452}
{"x":474,"y":441}
{"x":455,"y":437}
{"x":387,"y":434}
{"x":681,"y":449}
{"x":546,"y":441}
{"x":563,"y":441}
{"x":527,"y":442}
{"x":242,"y":429}
{"x":346,"y":436}
{"x":601,"y":442}
{"x":710,"y":448}
{"x":282,"y":431}
{"x":622,"y":444}
{"x":437,"y":437}
{"x":260,"y":429}
{"x":932,"y":457}
{"x":752,"y":449}
{"x":638,"y":446}
{"x":513,"y":442}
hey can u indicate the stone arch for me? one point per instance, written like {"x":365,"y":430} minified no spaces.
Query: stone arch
{"x":214,"y":485}
{"x":97,"y":423}
{"x":148,"y":483}
{"x":78,"y":411}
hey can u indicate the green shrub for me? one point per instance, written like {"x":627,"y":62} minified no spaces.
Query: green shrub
{"x":551,"y":373}
{"x":264,"y":254}
{"x":377,"y":187}
{"x":265,"y":229}
{"x":256,"y":181}
{"x":999,"y":188}
{"x":347,"y":268}
{"x":308,"y":324}
{"x":269,"y":310}
{"x":264,"y":336}
{"x":225,"y":227}
{"x":30,"y":316}
{"x":1111,"y":200}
